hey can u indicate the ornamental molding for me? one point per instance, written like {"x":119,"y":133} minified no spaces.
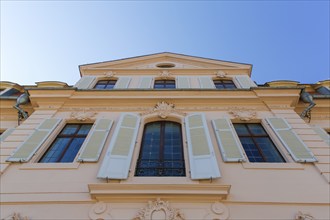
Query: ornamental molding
{"x":242,"y":113}
{"x":303,"y":216}
{"x":217,"y":211}
{"x":220,"y":74}
{"x":109,"y":74}
{"x":165,"y":74}
{"x":100,"y":211}
{"x":163,"y":110}
{"x":159,"y":209}
{"x":83,"y":115}
{"x":15,"y":216}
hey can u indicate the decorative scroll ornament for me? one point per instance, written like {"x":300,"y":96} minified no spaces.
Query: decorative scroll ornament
{"x":220,"y":74}
{"x":159,"y":210}
{"x":303,"y":216}
{"x":100,"y":211}
{"x":218,"y":211}
{"x":165,"y":74}
{"x":83,"y":115}
{"x":15,"y":216}
{"x":243,"y":114}
{"x":109,"y":74}
{"x":163,"y":110}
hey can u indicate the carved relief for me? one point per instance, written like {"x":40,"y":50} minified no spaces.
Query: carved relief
{"x":159,"y":210}
{"x":100,"y":211}
{"x":220,"y":74}
{"x":163,"y":110}
{"x":303,"y":216}
{"x":165,"y":74}
{"x":82,"y":115}
{"x":109,"y":74}
{"x":218,"y":211}
{"x":16,"y":216}
{"x":243,"y":114}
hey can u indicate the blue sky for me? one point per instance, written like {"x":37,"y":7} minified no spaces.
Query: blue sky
{"x":47,"y":40}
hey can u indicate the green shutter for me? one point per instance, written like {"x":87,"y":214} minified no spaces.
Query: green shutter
{"x":245,"y":82}
{"x":118,"y":157}
{"x":229,"y":144}
{"x":122,"y":83}
{"x":85,"y":82}
{"x":324,"y":135}
{"x":183,"y":82}
{"x":6,"y":133}
{"x":296,"y":147}
{"x":94,"y":143}
{"x":145,"y":82}
{"x":203,"y":163}
{"x":27,"y":149}
{"x":206,"y":82}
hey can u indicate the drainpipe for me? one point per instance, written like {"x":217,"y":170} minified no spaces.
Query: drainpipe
{"x":22,"y":100}
{"x":307,"y":98}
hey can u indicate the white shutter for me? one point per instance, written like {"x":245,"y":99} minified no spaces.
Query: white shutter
{"x":203,"y":163}
{"x":206,"y":82}
{"x":27,"y":149}
{"x":6,"y":133}
{"x":85,"y":82}
{"x":118,"y":157}
{"x":245,"y":82}
{"x":324,"y":135}
{"x":229,"y":143}
{"x":298,"y":150}
{"x":122,"y":83}
{"x":94,"y":143}
{"x":145,"y":82}
{"x":182,"y":82}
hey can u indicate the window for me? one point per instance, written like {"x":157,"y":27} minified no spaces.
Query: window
{"x":164,"y":84}
{"x":257,"y":144}
{"x":161,"y":152}
{"x":224,"y":84}
{"x":67,"y":144}
{"x":105,"y":84}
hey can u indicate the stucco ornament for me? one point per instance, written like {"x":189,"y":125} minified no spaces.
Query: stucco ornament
{"x":163,"y":110}
{"x":220,"y":74}
{"x":243,"y":114}
{"x":218,"y":211}
{"x":83,"y":115}
{"x":100,"y":211}
{"x":165,"y":74}
{"x":159,"y":210}
{"x":15,"y":216}
{"x":303,"y":216}
{"x":109,"y":74}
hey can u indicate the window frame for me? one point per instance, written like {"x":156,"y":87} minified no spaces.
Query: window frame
{"x":161,"y":151}
{"x":172,"y":80}
{"x":224,"y":79}
{"x":108,"y":80}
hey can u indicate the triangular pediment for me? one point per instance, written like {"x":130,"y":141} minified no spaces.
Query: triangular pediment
{"x":159,"y":60}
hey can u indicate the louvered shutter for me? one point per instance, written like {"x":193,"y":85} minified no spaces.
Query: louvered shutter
{"x":203,"y":163}
{"x":118,"y":157}
{"x":85,"y":82}
{"x":95,"y":141}
{"x":298,"y":150}
{"x":6,"y":133}
{"x":229,"y":143}
{"x":245,"y":82}
{"x":145,"y":82}
{"x":206,"y":82}
{"x":34,"y":141}
{"x":183,"y":82}
{"x":122,"y":83}
{"x":324,"y":135}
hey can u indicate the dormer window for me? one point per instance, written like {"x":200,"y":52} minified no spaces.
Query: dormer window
{"x":105,"y":84}
{"x":164,"y":84}
{"x":224,"y":84}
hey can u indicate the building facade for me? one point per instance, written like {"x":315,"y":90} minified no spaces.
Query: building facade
{"x":165,"y":136}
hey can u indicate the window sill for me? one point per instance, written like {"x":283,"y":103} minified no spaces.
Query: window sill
{"x":273,"y":166}
{"x":49,"y":166}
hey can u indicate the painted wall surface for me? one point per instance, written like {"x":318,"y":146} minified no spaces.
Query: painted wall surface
{"x":245,"y":190}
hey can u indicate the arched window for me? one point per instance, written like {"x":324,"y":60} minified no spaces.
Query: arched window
{"x":161,"y":152}
{"x":164,"y":84}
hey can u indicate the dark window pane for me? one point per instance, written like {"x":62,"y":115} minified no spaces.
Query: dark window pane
{"x":256,"y":129}
{"x":84,"y":129}
{"x":70,"y":130}
{"x":72,"y":150}
{"x":224,"y":84}
{"x":164,"y":84}
{"x":105,"y":84}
